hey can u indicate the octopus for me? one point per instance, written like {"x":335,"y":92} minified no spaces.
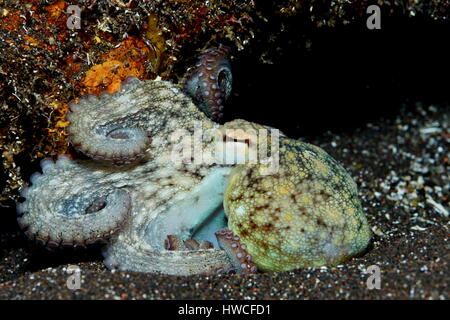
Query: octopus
{"x":167,"y":189}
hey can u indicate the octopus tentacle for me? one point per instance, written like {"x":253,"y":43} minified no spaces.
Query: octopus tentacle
{"x":119,"y":127}
{"x":174,"y":243}
{"x":209,"y":82}
{"x":75,"y":218}
{"x":236,"y":251}
{"x":140,"y":258}
{"x":119,"y":141}
{"x":153,"y":242}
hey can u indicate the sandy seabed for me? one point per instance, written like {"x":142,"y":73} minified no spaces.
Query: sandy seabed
{"x":401,"y":167}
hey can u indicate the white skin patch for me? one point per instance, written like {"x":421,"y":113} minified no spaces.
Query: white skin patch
{"x":240,"y":210}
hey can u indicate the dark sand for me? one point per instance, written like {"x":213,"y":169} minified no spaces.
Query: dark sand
{"x":402,"y":170}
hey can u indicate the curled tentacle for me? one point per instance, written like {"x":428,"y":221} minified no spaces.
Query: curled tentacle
{"x":119,"y":127}
{"x":209,"y":82}
{"x":56,"y":214}
{"x":116,"y":139}
{"x":236,"y":251}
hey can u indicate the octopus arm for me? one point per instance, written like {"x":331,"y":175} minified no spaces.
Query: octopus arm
{"x":120,"y":127}
{"x":236,"y":251}
{"x":157,"y":243}
{"x":136,"y":258}
{"x":98,"y":129}
{"x":57,"y":212}
{"x":209,"y":82}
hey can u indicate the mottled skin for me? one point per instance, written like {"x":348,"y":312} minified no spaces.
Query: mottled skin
{"x":122,"y":133}
{"x":121,"y":126}
{"x":307,"y":214}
